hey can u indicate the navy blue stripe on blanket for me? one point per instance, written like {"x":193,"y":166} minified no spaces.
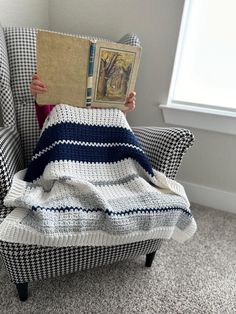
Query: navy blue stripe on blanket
{"x":86,"y":133}
{"x":88,"y":154}
{"x":113,"y":213}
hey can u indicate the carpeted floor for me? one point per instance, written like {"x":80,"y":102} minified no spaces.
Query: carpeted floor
{"x":198,"y":276}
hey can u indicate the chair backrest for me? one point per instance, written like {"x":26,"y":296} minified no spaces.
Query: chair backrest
{"x":6,"y":98}
{"x":17,"y":64}
{"x":21,"y":44}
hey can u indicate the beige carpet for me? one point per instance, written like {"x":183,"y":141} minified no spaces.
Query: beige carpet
{"x":198,"y":276}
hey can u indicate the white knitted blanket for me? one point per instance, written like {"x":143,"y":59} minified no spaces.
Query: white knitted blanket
{"x":90,"y":183}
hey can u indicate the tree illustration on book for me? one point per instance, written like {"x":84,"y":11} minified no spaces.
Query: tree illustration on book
{"x":114,"y":75}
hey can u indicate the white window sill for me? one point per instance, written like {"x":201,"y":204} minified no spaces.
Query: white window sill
{"x":211,"y":119}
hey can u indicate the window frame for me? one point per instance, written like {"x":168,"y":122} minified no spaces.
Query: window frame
{"x":211,"y":118}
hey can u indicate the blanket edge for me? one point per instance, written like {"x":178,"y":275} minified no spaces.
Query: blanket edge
{"x":11,"y":230}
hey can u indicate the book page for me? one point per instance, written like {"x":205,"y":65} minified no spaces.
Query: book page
{"x":62,"y":64}
{"x":115,"y":72}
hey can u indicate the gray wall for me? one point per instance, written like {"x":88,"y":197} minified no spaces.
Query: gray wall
{"x":211,"y":162}
{"x":32,"y":13}
{"x":155,"y":21}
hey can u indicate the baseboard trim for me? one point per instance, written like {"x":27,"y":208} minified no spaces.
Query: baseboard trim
{"x":210,"y":197}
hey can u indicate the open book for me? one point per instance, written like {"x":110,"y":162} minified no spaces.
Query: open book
{"x":85,"y":73}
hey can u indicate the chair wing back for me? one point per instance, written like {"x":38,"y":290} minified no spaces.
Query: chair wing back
{"x":6,"y":98}
{"x":21,"y":47}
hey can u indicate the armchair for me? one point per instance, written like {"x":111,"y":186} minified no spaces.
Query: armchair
{"x":165,"y":148}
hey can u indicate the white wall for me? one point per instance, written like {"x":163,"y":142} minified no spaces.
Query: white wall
{"x":32,"y":13}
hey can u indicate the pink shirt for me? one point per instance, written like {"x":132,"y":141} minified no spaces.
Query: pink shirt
{"x":42,"y":112}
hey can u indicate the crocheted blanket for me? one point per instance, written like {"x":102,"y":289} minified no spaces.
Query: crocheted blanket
{"x":90,"y":183}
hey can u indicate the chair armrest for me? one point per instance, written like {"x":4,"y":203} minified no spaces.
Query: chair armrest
{"x":11,"y":159}
{"x":165,"y":147}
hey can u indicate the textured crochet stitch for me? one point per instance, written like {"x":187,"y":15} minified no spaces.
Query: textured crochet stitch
{"x":90,"y":183}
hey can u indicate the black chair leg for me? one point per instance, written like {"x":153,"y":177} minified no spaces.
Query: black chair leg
{"x":22,"y":289}
{"x":149,"y":259}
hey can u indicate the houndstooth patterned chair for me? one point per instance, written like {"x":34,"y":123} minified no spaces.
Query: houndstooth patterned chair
{"x":25,"y":263}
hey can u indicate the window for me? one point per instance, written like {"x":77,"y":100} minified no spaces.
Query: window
{"x":204,"y":75}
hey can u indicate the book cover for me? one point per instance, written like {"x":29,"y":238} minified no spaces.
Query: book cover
{"x":85,"y":73}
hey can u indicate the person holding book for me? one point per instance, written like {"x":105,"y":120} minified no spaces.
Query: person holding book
{"x":38,"y":87}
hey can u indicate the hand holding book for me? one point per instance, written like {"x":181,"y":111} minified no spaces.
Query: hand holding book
{"x":39,"y":87}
